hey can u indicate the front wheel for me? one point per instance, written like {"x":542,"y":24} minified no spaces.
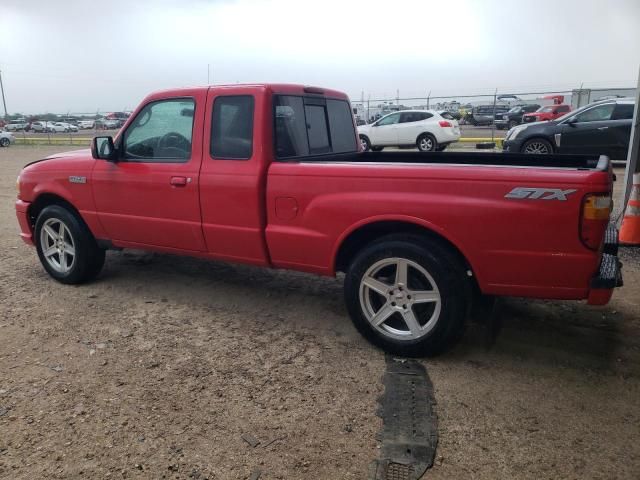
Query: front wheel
{"x":4,"y":142}
{"x":66,"y":247}
{"x":427,"y":143}
{"x":408,"y":295}
{"x":538,"y":146}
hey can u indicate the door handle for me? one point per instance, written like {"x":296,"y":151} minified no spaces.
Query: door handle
{"x":602,"y":128}
{"x":179,"y":181}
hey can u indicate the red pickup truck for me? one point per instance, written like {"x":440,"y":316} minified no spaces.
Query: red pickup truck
{"x":272,"y":175}
{"x":543,"y":114}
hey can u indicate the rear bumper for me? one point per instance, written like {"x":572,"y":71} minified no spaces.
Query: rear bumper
{"x":22,"y":212}
{"x":609,"y":274}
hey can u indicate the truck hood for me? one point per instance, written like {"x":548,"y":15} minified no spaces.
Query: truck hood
{"x":72,"y":155}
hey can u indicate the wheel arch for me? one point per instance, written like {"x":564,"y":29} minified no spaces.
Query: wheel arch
{"x":363,"y":234}
{"x":426,"y":132}
{"x":46,"y":199}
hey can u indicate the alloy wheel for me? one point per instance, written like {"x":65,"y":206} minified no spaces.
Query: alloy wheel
{"x":57,"y":244}
{"x":400,"y":299}
{"x":536,"y":147}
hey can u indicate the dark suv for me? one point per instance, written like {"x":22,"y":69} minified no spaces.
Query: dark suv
{"x":514,"y":116}
{"x":485,"y":114}
{"x":601,"y":128}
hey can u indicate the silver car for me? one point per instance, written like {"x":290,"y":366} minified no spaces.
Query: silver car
{"x":6,"y":139}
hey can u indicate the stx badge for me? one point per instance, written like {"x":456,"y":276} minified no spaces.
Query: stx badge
{"x":75,"y":179}
{"x":532,"y":193}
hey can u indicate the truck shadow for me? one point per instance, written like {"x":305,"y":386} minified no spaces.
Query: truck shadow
{"x":552,"y":333}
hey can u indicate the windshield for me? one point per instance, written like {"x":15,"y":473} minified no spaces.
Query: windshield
{"x":515,"y":110}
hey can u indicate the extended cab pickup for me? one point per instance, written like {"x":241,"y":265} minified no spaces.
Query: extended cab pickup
{"x":271,"y":175}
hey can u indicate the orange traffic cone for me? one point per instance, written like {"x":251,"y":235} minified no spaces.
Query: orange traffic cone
{"x":630,"y":229}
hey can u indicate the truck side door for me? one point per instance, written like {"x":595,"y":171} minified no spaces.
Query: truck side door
{"x":149,"y":196}
{"x":237,"y":132}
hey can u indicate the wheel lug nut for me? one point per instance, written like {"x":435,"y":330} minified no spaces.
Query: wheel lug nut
{"x":393,"y":304}
{"x":404,"y":306}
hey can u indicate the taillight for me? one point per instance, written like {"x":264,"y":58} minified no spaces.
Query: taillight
{"x":444,"y":123}
{"x":596,"y":209}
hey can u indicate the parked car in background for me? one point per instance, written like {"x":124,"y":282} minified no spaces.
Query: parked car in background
{"x":550,"y":112}
{"x":56,"y":127}
{"x":601,"y":128}
{"x":485,"y":114}
{"x":514,"y":116}
{"x":86,"y":124}
{"x":6,"y":139}
{"x":106,"y":124}
{"x":38,"y":126}
{"x":17,"y":125}
{"x":68,"y":126}
{"x":425,"y":129}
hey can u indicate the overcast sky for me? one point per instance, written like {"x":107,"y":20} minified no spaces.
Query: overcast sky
{"x":81,"y":56}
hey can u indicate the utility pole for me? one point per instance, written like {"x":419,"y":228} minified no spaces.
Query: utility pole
{"x":493,"y":123}
{"x":4,"y":102}
{"x":633,"y":155}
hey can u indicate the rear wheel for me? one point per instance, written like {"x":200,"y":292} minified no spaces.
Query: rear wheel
{"x":441,"y":148}
{"x":377,"y":149}
{"x":4,"y":142}
{"x":408,"y":295}
{"x":538,"y":146}
{"x":66,"y":247}
{"x":364,"y":143}
{"x":427,"y":143}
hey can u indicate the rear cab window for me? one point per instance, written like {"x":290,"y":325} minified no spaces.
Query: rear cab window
{"x":232,"y":127}
{"x":308,"y":126}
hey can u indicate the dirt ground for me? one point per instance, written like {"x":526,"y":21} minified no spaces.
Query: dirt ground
{"x":158,"y":369}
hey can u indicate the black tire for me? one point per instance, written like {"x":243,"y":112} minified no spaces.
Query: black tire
{"x":513,"y":123}
{"x":427,"y":143}
{"x":538,"y":146}
{"x":4,"y":142}
{"x":441,"y":148}
{"x":446,"y":271}
{"x":88,"y":258}
{"x":365,"y":143}
{"x":377,"y":149}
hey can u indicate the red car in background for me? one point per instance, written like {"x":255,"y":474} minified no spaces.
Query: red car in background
{"x":550,"y":112}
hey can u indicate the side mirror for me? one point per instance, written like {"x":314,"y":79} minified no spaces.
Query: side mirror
{"x":572,"y":121}
{"x":102,"y":148}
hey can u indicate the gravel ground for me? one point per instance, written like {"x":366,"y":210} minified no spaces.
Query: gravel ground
{"x":159,"y":368}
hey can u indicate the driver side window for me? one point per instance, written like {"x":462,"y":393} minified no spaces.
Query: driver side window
{"x":161,"y":132}
{"x":390,"y":120}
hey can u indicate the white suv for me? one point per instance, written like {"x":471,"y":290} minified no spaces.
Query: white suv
{"x":425,"y":129}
